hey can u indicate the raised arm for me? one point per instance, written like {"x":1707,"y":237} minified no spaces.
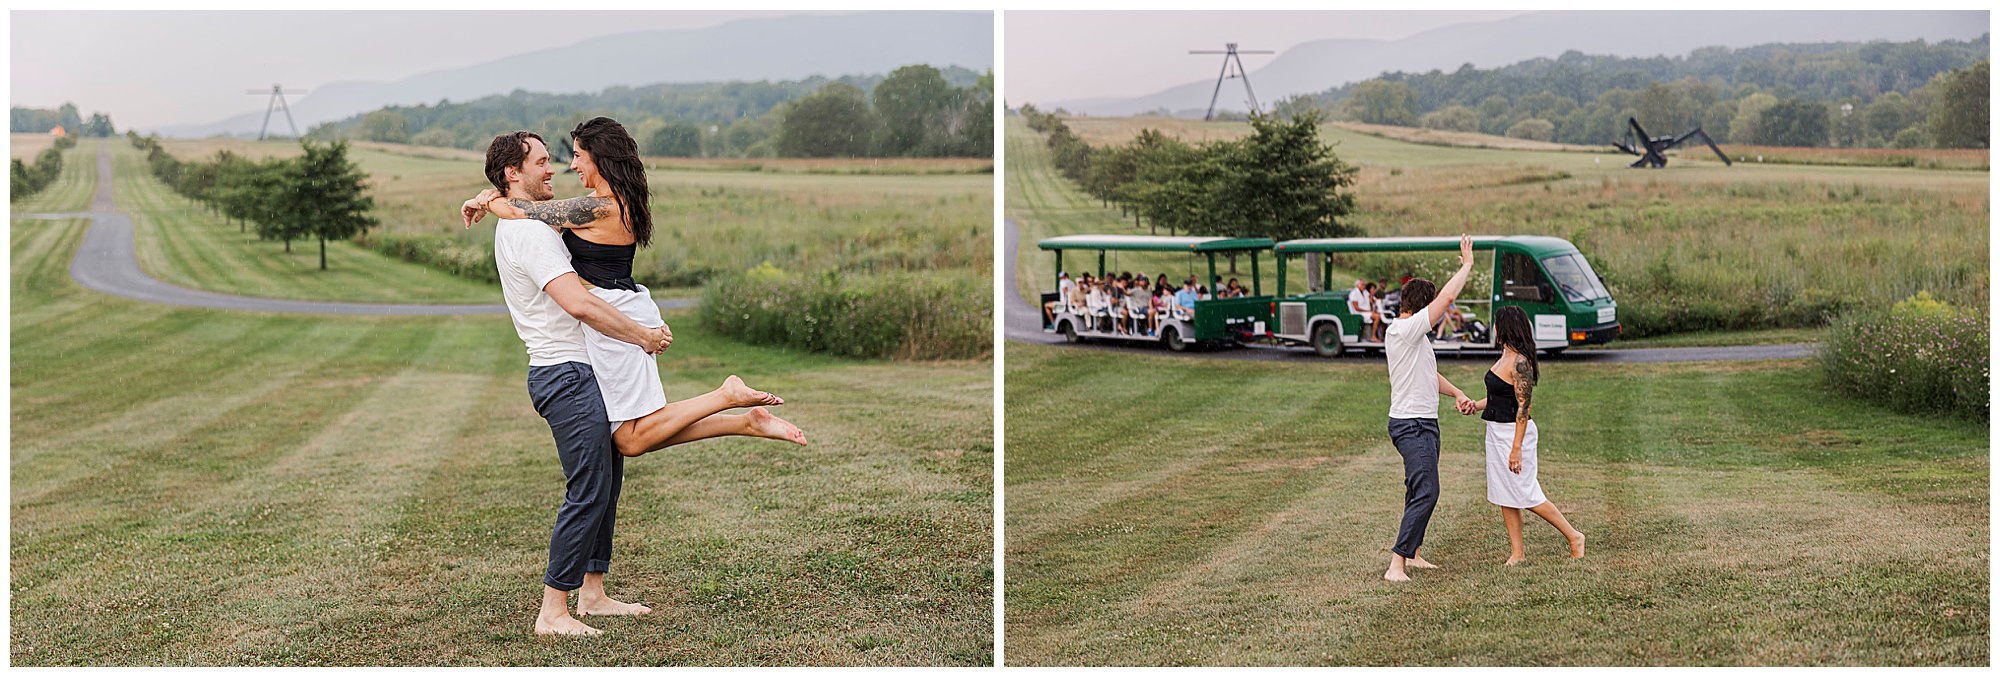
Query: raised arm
{"x":577,"y":213}
{"x":1449,"y":293}
{"x":1524,"y":390}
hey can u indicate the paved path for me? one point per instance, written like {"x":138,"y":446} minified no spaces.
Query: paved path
{"x":108,"y":262}
{"x":1024,"y":323}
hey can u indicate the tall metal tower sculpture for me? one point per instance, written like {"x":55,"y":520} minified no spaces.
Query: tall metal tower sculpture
{"x":277,"y":93}
{"x":1232,"y":67}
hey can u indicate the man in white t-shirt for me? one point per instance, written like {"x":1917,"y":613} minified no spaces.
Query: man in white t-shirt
{"x":1362,"y":304}
{"x":1064,"y":288}
{"x":549,"y":306}
{"x":1414,"y":386}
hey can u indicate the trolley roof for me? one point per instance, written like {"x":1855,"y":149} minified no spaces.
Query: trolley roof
{"x":1536,"y":245}
{"x":1155,"y":243}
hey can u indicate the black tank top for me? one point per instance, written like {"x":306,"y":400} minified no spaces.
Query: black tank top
{"x":604,"y":265}
{"x":1501,"y":407}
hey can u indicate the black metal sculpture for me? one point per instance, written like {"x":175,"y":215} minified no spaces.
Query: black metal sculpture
{"x":1653,"y":153}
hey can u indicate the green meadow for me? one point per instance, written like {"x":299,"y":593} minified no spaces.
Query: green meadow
{"x":71,"y":192}
{"x":200,"y":487}
{"x":1696,"y":246}
{"x":798,"y":215}
{"x":1735,"y":514}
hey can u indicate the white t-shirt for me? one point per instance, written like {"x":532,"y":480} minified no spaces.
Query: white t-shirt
{"x":1357,"y":302}
{"x":1064,"y":290}
{"x":1413,"y":367}
{"x":529,"y":254}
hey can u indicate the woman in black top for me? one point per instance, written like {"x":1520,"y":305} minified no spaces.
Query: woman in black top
{"x":602,"y":231}
{"x":1511,"y":435}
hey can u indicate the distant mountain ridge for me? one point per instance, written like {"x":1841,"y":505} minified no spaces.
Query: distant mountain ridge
{"x":783,"y":48}
{"x":1320,"y":65}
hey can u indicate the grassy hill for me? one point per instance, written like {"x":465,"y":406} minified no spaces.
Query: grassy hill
{"x":1694,"y":246}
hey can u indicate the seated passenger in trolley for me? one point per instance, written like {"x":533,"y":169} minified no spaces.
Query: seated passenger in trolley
{"x":1360,"y":302}
{"x":1234,"y":290}
{"x":1139,"y":308}
{"x":1075,"y":303}
{"x":1064,"y":290}
{"x":1185,"y":299}
{"x":1099,"y":304}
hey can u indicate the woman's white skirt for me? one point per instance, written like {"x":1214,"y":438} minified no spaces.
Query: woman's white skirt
{"x":1505,"y":487}
{"x":627,"y":376}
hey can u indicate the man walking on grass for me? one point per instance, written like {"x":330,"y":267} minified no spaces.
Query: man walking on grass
{"x":549,"y":306}
{"x":1414,"y":384}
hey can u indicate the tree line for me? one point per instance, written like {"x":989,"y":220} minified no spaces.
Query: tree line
{"x":318,"y":195}
{"x":1877,"y":94}
{"x":1279,"y":182}
{"x":42,"y":120}
{"x":24,"y":179}
{"x":916,"y":110}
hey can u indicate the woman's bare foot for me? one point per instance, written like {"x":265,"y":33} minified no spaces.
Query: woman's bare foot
{"x":767,"y":425}
{"x":563,"y":625}
{"x":1576,"y":546}
{"x":606,"y":606}
{"x":740,"y":395}
{"x":1418,"y":562}
{"x":1516,"y":559}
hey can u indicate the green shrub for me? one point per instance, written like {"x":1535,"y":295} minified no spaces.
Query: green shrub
{"x":1920,"y":357}
{"x":447,"y":254}
{"x":911,"y":316}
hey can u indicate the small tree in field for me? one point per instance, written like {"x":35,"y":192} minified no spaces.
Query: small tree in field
{"x":1283,"y":183}
{"x":328,"y":197}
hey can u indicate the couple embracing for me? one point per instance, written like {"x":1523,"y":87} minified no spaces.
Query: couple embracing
{"x":1511,"y":436}
{"x":592,"y":334}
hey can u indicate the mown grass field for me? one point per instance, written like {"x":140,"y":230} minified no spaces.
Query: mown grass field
{"x":182,"y":242}
{"x":808,"y":216}
{"x":195,"y":487}
{"x":1736,"y":516}
{"x":72,"y":191}
{"x":1744,"y":236}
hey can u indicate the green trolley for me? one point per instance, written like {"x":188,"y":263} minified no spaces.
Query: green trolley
{"x":1212,"y":322}
{"x":1545,"y":276}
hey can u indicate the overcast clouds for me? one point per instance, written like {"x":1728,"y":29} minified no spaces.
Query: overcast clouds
{"x":157,"y":68}
{"x":1056,"y":56}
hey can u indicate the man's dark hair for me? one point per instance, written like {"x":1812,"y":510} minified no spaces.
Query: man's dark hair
{"x":1417,"y":294}
{"x":507,"y":150}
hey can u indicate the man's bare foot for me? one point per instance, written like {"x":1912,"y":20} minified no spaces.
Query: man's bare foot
{"x":1516,"y":559}
{"x":770,"y":426}
{"x":605,"y":606}
{"x":564,"y":625}
{"x":1419,"y":563}
{"x":1576,"y":546}
{"x":740,"y":395}
{"x":1395,"y":572}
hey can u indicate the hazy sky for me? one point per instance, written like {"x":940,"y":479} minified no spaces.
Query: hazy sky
{"x":1054,"y":56}
{"x":157,"y":68}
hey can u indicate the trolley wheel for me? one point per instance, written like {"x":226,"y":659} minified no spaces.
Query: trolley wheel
{"x":1554,"y":352}
{"x":1172,"y":337}
{"x":1068,"y":330}
{"x":1326,"y":339}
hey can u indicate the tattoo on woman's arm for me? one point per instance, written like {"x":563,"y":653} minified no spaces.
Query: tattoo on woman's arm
{"x":568,"y":213}
{"x":1524,"y":386}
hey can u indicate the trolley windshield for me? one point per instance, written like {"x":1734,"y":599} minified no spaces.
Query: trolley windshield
{"x":1574,"y":277}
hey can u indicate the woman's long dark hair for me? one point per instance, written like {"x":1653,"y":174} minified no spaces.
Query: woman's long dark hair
{"x":1512,"y":329}
{"x":617,"y":158}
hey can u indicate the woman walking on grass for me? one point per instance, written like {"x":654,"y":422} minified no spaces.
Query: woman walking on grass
{"x":1511,"y":436}
{"x":602,"y":231}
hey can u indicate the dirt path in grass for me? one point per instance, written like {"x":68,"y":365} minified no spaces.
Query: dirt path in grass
{"x":1024,"y":323}
{"x":108,"y":262}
